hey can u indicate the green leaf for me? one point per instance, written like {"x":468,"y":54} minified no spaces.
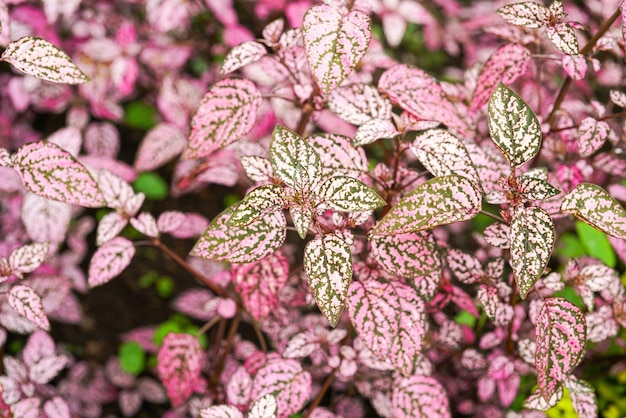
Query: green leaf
{"x":132,"y":357}
{"x":152,"y":185}
{"x":570,"y":246}
{"x":164,"y":286}
{"x":596,"y":244}
{"x":140,"y":115}
{"x":348,"y":194}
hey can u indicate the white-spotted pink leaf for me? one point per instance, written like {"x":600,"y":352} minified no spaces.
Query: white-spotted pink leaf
{"x":358,"y":103}
{"x":527,"y":14}
{"x":161,"y":144}
{"x":258,"y":202}
{"x":439,"y":201}
{"x":409,"y":255}
{"x":465,"y":267}
{"x":273,"y":30}
{"x":40,"y":58}
{"x":334,"y":43}
{"x":419,"y":397}
{"x":45,"y":219}
{"x":221,"y":242}
{"x":563,"y":37}
{"x":286,"y":380}
{"x":301,"y":216}
{"x":264,"y":407}
{"x":51,"y":172}
{"x":242,"y":55}
{"x":28,"y":304}
{"x":110,"y":260}
{"x":109,"y":227}
{"x":239,"y":387}
{"x":27,"y":258}
{"x":575,"y":66}
{"x":179,"y":363}
{"x":293,"y":160}
{"x":592,"y":134}
{"x":301,"y":345}
{"x":583,"y":397}
{"x":533,"y":188}
{"x":618,"y":97}
{"x":442,"y":154}
{"x":505,"y":65}
{"x":170,"y":220}
{"x":373,"y":130}
{"x":340,"y":157}
{"x":220,"y":411}
{"x":497,"y":234}
{"x":532,"y":241}
{"x":348,"y":194}
{"x":257,"y":168}
{"x":513,"y":126}
{"x":407,"y":342}
{"x":537,"y":402}
{"x":561,"y":333}
{"x":595,"y":206}
{"x":328,"y":268}
{"x":5,"y":157}
{"x":227,"y":113}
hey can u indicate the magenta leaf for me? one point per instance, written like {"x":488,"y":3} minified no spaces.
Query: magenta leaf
{"x":286,"y":380}
{"x":563,"y":37}
{"x":257,"y":168}
{"x":226,"y":114}
{"x":179,"y":363}
{"x":561,"y":333}
{"x":439,"y":201}
{"x":53,"y":173}
{"x":27,"y":258}
{"x":419,"y":397}
{"x":575,"y":66}
{"x":258,"y":202}
{"x":264,"y":407}
{"x":40,"y":58}
{"x":583,"y":397}
{"x":373,"y":130}
{"x":28,"y":304}
{"x":293,"y":160}
{"x":533,"y":188}
{"x":110,"y":260}
{"x":241,"y":55}
{"x":513,"y":126}
{"x":528,"y":14}
{"x":358,"y":103}
{"x":532,"y":240}
{"x":409,"y":255}
{"x":334,"y":43}
{"x":45,"y":219}
{"x":328,"y":267}
{"x":348,"y":194}
{"x":160,"y":145}
{"x":595,"y":206}
{"x":592,"y":134}
{"x":340,"y":157}
{"x":256,"y":240}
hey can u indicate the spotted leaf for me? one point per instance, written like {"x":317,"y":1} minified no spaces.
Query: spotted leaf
{"x":373,"y":130}
{"x":497,"y":234}
{"x":220,"y":411}
{"x":563,"y":37}
{"x":348,"y":194}
{"x":301,"y":216}
{"x":170,"y":220}
{"x":245,"y":244}
{"x":528,"y":14}
{"x":465,"y":267}
{"x":328,"y":267}
{"x":110,"y":260}
{"x":358,"y":103}
{"x":583,"y":397}
{"x":264,"y":407}
{"x":561,"y":333}
{"x":575,"y":66}
{"x":257,"y":168}
{"x":301,"y":345}
{"x":409,"y":255}
{"x":45,"y":219}
{"x":536,"y":400}
{"x":439,"y":201}
{"x":513,"y":126}
{"x":592,"y":134}
{"x":533,"y":188}
{"x":241,"y":55}
{"x":595,"y":206}
{"x":256,"y":203}
{"x":340,"y":157}
{"x":334,"y":43}
{"x":161,"y":144}
{"x":28,"y":304}
{"x":227,"y":113}
{"x":293,"y":160}
{"x":40,"y":58}
{"x":51,"y":172}
{"x":419,"y":397}
{"x":179,"y":363}
{"x":27,"y":258}
{"x":532,"y":241}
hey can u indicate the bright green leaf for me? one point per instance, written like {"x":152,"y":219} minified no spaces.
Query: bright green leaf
{"x":152,"y":185}
{"x":595,"y":243}
{"x":132,"y":357}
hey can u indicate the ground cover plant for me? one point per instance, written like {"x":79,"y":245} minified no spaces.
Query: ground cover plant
{"x":390,"y":208}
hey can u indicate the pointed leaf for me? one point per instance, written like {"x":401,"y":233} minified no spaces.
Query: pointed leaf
{"x":257,"y":168}
{"x":258,"y":202}
{"x":334,"y":43}
{"x":170,"y":220}
{"x":340,"y":157}
{"x":301,"y":217}
{"x":110,"y":260}
{"x":264,"y":407}
{"x":595,"y":206}
{"x":498,"y":235}
{"x":532,"y":188}
{"x":51,"y":172}
{"x":561,"y":333}
{"x":27,"y":258}
{"x":419,"y":397}
{"x":241,"y":55}
{"x":40,"y":58}
{"x":592,"y":134}
{"x":348,"y":194}
{"x":301,"y":345}
{"x":358,"y":103}
{"x":409,"y":255}
{"x":293,"y":160}
{"x":227,"y":112}
{"x":439,"y":201}
{"x":145,"y":224}
{"x":563,"y":37}
{"x":465,"y":267}
{"x":575,"y":66}
{"x":179,"y":363}
{"x":532,"y":241}
{"x":57,"y":408}
{"x":536,"y":400}
{"x":28,"y":304}
{"x":373,"y":130}
{"x":513,"y":126}
{"x":161,"y":144}
{"x":328,"y":267}
{"x":109,"y":227}
{"x":528,"y":14}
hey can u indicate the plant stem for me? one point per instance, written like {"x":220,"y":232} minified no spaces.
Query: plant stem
{"x":493,"y":216}
{"x":259,"y":336}
{"x":208,"y":326}
{"x":234,"y":326}
{"x":304,"y":118}
{"x":320,"y":395}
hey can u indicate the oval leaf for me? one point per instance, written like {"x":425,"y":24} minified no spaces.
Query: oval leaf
{"x":348,"y":194}
{"x":256,"y":203}
{"x":527,"y":14}
{"x":373,"y":130}
{"x":575,"y":66}
{"x":265,"y":407}
{"x":358,"y":103}
{"x":45,"y":219}
{"x":28,"y":304}
{"x":419,"y":397}
{"x":410,"y":255}
{"x":160,"y":145}
{"x":27,"y":258}
{"x":110,"y":260}
{"x":533,"y":188}
{"x":241,"y":55}
{"x":592,"y":134}
{"x":563,"y":37}
{"x":340,"y":157}
{"x":293,"y":160}
{"x":179,"y":363}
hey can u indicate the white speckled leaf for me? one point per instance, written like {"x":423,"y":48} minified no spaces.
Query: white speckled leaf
{"x":301,"y":217}
{"x":40,"y":58}
{"x":293,"y":160}
{"x":497,"y":234}
{"x":618,"y":97}
{"x":241,"y":55}
{"x":563,"y":37}
{"x":28,"y":304}
{"x":419,"y":397}
{"x":592,"y":134}
{"x":528,"y":14}
{"x":110,"y":260}
{"x":583,"y":397}
{"x":373,"y":130}
{"x":595,"y":206}
{"x":532,"y":240}
{"x":334,"y":43}
{"x":410,"y":255}
{"x":340,"y":157}
{"x":537,"y":402}
{"x":161,"y":144}
{"x":220,"y":411}
{"x":257,"y":168}
{"x":264,"y":407}
{"x":533,"y":188}
{"x":328,"y":268}
{"x":45,"y":219}
{"x":273,"y":30}
{"x":575,"y":66}
{"x":348,"y":194}
{"x":256,"y":203}
{"x":146,"y":224}
{"x":358,"y":103}
{"x":110,"y":226}
{"x":27,"y":258}
{"x":513,"y":126}
{"x":465,"y":267}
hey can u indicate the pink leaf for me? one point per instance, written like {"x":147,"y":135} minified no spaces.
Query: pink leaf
{"x":347,"y":194}
{"x":373,"y":130}
{"x":39,"y":345}
{"x":358,"y":103}
{"x":28,"y":304}
{"x":340,"y":157}
{"x":334,"y":43}
{"x":408,"y":255}
{"x":465,"y":267}
{"x":221,"y":411}
{"x":110,"y":260}
{"x":179,"y":363}
{"x":69,"y":139}
{"x":527,"y":14}
{"x":258,"y":202}
{"x":45,"y":219}
{"x":257,"y":168}
{"x":419,"y":397}
{"x":301,"y":345}
{"x":26,"y":408}
{"x":160,"y":145}
{"x":575,"y":66}
{"x":242,"y":55}
{"x":109,"y":227}
{"x":51,"y":172}
{"x":239,"y":387}
{"x":169,"y":221}
{"x":592,"y":134}
{"x":226,"y":114}
{"x":497,"y":234}
{"x":57,"y":408}
{"x":583,"y":397}
{"x":117,"y":193}
{"x":194,"y":225}
{"x":146,"y":224}
{"x":264,"y":407}
{"x":102,"y":139}
{"x":130,"y":402}
{"x":27,"y":258}
{"x":563,"y":37}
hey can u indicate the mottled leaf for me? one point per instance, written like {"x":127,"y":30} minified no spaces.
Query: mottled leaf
{"x":465,"y":267}
{"x":301,"y":345}
{"x":528,"y":14}
{"x":220,"y":411}
{"x":109,"y":227}
{"x":241,"y":55}
{"x":257,"y":168}
{"x":146,"y":224}
{"x":110,"y":260}
{"x":161,"y":144}
{"x":419,"y":397}
{"x":170,"y":220}
{"x":373,"y":130}
{"x":179,"y":363}
{"x":348,"y":194}
{"x":28,"y":304}
{"x":533,"y":188}
{"x":497,"y":234}
{"x":340,"y":157}
{"x":293,"y":160}
{"x":409,"y":255}
{"x":358,"y":103}
{"x":27,"y":258}
{"x":536,"y":400}
{"x":618,"y":97}
{"x":583,"y":397}
{"x":575,"y":66}
{"x":57,"y":407}
{"x":45,"y":219}
{"x":592,"y":134}
{"x":264,"y":407}
{"x":301,"y":216}
{"x":563,"y":37}
{"x":258,"y":202}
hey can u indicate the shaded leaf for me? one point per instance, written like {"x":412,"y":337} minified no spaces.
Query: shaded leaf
{"x":358,"y":103}
{"x":170,"y":220}
{"x":465,"y":267}
{"x":340,"y":157}
{"x":497,"y":234}
{"x":160,"y":145}
{"x":419,"y":397}
{"x":28,"y":304}
{"x":409,"y":255}
{"x":179,"y":363}
{"x":348,"y":194}
{"x":293,"y":160}
{"x":575,"y":66}
{"x":592,"y":134}
{"x":110,"y":260}
{"x":45,"y":219}
{"x":256,"y":203}
{"x":241,"y":55}
{"x":583,"y":397}
{"x":27,"y":258}
{"x":536,"y":400}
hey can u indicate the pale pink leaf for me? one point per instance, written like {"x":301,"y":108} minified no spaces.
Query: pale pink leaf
{"x":439,"y":201}
{"x":618,"y":97}
{"x":69,"y":139}
{"x":528,"y":14}
{"x":51,"y":172}
{"x":26,"y":408}
{"x":264,"y":407}
{"x":5,"y":158}
{"x":563,"y":37}
{"x":102,"y":139}
{"x":340,"y":157}
{"x":27,"y":258}
{"x":57,"y":407}
{"x":146,"y":224}
{"x":53,"y":290}
{"x":409,"y":255}
{"x":497,"y":234}
{"x":489,"y":163}
{"x":465,"y":267}
{"x":117,"y":192}
{"x":373,"y":130}
{"x":129,"y":402}
{"x":194,"y":225}
{"x":419,"y":397}
{"x":334,"y":43}
{"x":561,"y":333}
{"x":583,"y":397}
{"x":301,"y":345}
{"x":109,"y":227}
{"x":358,"y":103}
{"x":239,"y":387}
{"x":28,"y":304}
{"x":47,"y":368}
{"x":258,"y":202}
{"x":348,"y":194}
{"x":170,"y":220}
{"x":160,"y":145}
{"x":110,"y":260}
{"x":293,"y":160}
{"x":39,"y":345}
{"x":226,"y":114}
{"x":575,"y":66}
{"x":273,"y":30}
{"x":257,"y":168}
{"x":40,"y":58}
{"x":45,"y":219}
{"x":220,"y":411}
{"x":592,"y":134}
{"x":179,"y":363}
{"x":196,"y":303}
{"x":242,"y":55}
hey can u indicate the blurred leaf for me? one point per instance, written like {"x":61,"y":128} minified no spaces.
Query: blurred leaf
{"x":165,"y":286}
{"x":140,"y":115}
{"x":570,"y":246}
{"x":465,"y":318}
{"x":132,"y":357}
{"x":148,"y":279}
{"x":595,"y":243}
{"x":570,"y":295}
{"x":152,"y":185}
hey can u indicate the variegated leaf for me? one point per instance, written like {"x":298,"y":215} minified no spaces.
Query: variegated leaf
{"x":220,"y":411}
{"x":537,"y":402}
{"x":513,"y":126}
{"x":340,"y":157}
{"x":161,"y":144}
{"x":595,"y":206}
{"x":532,"y":241}
{"x":575,"y":66}
{"x":328,"y":267}
{"x":242,"y":55}
{"x":406,"y":346}
{"x":528,"y":14}
{"x":28,"y":304}
{"x":358,"y":103}
{"x":561,"y":333}
{"x":257,"y":168}
{"x":334,"y":43}
{"x":301,"y":216}
{"x":146,"y":224}
{"x":51,"y":172}
{"x":439,"y":201}
{"x":618,"y":97}
{"x":563,"y":37}
{"x":302,"y":344}
{"x":110,"y":260}
{"x":256,"y":203}
{"x":293,"y":160}
{"x":583,"y":397}
{"x":247,"y":244}
{"x":40,"y":58}
{"x":273,"y":30}
{"x":409,"y":255}
{"x":373,"y":130}
{"x":227,"y":112}
{"x":419,"y":397}
{"x":497,"y":234}
{"x":27,"y":258}
{"x":442,"y":154}
{"x":45,"y":219}
{"x":264,"y":407}
{"x":465,"y":267}
{"x":348,"y":194}
{"x":532,"y":188}
{"x":170,"y":220}
{"x":109,"y":227}
{"x":179,"y":363}
{"x":239,"y":387}
{"x":592,"y":134}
